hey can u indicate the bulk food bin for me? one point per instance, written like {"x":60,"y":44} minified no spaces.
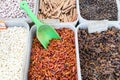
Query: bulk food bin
{"x":56,"y":26}
{"x":11,"y":9}
{"x":17,"y":23}
{"x":57,"y":20}
{"x":84,"y":26}
{"x":114,"y":15}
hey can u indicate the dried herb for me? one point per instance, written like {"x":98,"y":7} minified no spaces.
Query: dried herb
{"x":58,"y":62}
{"x":100,"y":54}
{"x":98,"y":9}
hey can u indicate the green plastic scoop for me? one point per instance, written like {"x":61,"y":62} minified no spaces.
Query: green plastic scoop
{"x":44,"y":32}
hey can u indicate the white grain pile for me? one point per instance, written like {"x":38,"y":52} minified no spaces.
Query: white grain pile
{"x":12,"y":53}
{"x":11,"y":8}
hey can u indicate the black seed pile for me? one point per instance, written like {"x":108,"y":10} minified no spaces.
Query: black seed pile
{"x":98,"y":9}
{"x":100,"y":54}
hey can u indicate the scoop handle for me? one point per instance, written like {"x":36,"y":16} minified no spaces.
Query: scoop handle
{"x":25,"y":7}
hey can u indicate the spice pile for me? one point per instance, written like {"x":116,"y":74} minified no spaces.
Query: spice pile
{"x":64,"y":10}
{"x":12,"y":53}
{"x":98,"y":9}
{"x":58,"y":62}
{"x":11,"y":8}
{"x":100,"y":54}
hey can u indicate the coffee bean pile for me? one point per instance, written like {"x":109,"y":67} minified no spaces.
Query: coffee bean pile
{"x":98,"y":9}
{"x":100,"y":54}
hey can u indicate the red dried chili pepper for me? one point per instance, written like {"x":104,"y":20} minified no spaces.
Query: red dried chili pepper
{"x":56,"y":63}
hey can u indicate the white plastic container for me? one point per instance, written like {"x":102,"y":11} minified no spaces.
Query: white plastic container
{"x":56,"y":26}
{"x":85,"y":26}
{"x":20,"y":23}
{"x":110,"y":24}
{"x":82,"y":20}
{"x":35,"y":11}
{"x":57,"y":20}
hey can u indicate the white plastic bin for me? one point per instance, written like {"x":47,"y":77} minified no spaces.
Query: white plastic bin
{"x":20,"y":23}
{"x":82,"y":20}
{"x":57,"y":20}
{"x":27,"y":19}
{"x":56,"y":26}
{"x":85,"y":26}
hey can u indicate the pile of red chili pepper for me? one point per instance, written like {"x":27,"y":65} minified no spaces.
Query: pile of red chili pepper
{"x":58,"y":62}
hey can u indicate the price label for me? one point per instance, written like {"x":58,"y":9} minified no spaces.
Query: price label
{"x":2,"y":25}
{"x":97,"y":26}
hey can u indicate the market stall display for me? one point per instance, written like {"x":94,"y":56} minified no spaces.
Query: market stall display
{"x":88,"y":51}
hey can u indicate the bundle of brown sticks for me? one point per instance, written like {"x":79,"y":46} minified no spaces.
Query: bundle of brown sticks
{"x":64,"y":10}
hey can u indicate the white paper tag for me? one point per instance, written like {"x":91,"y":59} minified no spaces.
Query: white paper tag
{"x":2,"y":25}
{"x":97,"y":26}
